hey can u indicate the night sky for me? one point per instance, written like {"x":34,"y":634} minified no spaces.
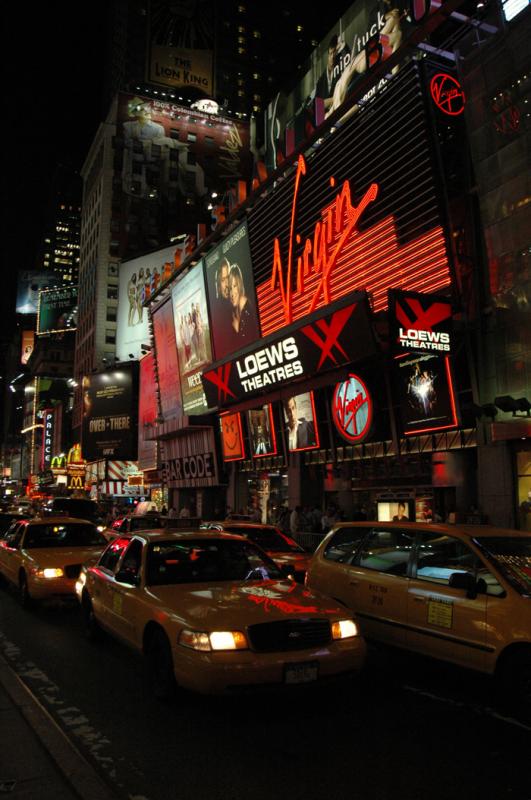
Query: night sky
{"x":53,"y":77}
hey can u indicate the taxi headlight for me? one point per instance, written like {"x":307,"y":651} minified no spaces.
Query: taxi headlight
{"x":217,"y":640}
{"x":49,"y":572}
{"x":344,"y":629}
{"x":100,"y":528}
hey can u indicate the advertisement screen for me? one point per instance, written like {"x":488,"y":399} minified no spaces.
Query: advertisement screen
{"x":426,"y":393}
{"x":302,"y":432}
{"x":109,"y":421}
{"x":138,"y":279}
{"x":232,"y":446}
{"x":167,"y":364}
{"x":262,"y":436}
{"x":396,"y":511}
{"x":57,"y":311}
{"x":192,"y":334}
{"x":29,"y":285}
{"x":231,"y":293}
{"x":28,"y":343}
{"x":147,"y":414}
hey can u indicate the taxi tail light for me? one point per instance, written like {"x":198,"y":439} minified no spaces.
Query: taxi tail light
{"x":344,"y":629}
{"x":217,"y":640}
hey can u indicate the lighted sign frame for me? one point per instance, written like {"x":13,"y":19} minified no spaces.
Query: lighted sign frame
{"x":313,"y":421}
{"x":239,"y":431}
{"x":346,"y":409}
{"x":454,"y":421}
{"x":273,"y":451}
{"x":447,"y":93}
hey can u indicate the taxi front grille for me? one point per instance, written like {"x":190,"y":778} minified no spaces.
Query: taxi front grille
{"x":72,"y":571}
{"x":291,"y":634}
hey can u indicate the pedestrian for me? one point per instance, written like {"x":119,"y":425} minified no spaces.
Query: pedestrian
{"x":184,"y":513}
{"x":295,"y":520}
{"x":172,"y":514}
{"x":164,"y":511}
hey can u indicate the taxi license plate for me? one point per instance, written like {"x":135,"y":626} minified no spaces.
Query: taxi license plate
{"x":305,"y":672}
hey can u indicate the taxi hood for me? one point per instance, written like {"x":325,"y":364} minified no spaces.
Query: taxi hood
{"x":231,"y":606}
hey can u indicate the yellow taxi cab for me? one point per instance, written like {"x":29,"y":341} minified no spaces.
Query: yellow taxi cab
{"x":211,"y":612}
{"x":457,"y":593}
{"x":281,"y":548}
{"x":42,"y":557}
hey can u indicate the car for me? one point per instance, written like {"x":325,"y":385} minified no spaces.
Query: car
{"x":43,"y":556}
{"x":281,"y":548}
{"x":7,"y":518}
{"x":132,"y":523}
{"x":212,"y":613}
{"x":459,"y":593}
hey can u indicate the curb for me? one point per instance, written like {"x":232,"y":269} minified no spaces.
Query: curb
{"x":79,"y":774}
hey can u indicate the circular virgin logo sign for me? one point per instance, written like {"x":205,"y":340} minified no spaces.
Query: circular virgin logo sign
{"x":447,"y":94}
{"x":352,"y":409}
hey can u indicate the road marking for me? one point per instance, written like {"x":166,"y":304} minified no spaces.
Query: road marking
{"x":478,"y":709}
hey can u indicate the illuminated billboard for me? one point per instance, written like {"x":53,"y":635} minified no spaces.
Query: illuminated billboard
{"x":262,"y":436}
{"x":420,"y":322}
{"x":181,"y":68}
{"x":426,"y":393}
{"x":302,"y":432}
{"x":147,"y":414}
{"x":138,"y":279}
{"x":167,"y":363}
{"x":363,"y":213}
{"x":28,"y":343}
{"x":192,"y":333}
{"x":57,"y":310}
{"x":231,"y":294}
{"x":109,"y":415}
{"x":232,"y":446}
{"x":30,"y":283}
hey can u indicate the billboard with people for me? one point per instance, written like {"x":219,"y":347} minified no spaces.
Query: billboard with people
{"x":167,"y":364}
{"x":231,"y":294}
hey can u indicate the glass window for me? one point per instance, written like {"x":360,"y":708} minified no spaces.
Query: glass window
{"x":344,"y":545}
{"x":387,"y":550}
{"x":111,"y":556}
{"x":512,"y":556}
{"x":68,"y":535}
{"x":132,"y":559}
{"x":439,"y":557}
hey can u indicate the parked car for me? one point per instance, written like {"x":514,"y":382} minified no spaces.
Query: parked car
{"x":457,"y":593}
{"x":281,"y":548}
{"x":211,"y":612}
{"x":42,"y":557}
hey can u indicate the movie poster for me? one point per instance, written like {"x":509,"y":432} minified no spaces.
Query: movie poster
{"x":231,"y":294}
{"x":301,"y":425}
{"x":192,"y":333}
{"x":262,"y":437}
{"x":231,"y":437}
{"x":57,"y":310}
{"x":109,"y":418}
{"x":426,"y":393}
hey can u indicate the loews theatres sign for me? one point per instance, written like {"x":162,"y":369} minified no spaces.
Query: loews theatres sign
{"x":323,"y":342}
{"x":420,"y":322}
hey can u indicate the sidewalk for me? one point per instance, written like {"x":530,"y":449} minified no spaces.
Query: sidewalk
{"x":37,"y":761}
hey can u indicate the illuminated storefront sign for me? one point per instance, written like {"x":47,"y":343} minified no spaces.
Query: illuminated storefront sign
{"x":323,"y":342}
{"x":420,"y":322}
{"x":447,"y":94}
{"x":47,"y":438}
{"x":181,"y":470}
{"x":352,"y":409}
{"x":75,"y":477}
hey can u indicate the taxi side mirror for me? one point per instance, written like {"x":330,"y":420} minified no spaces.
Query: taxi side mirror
{"x":465,"y":581}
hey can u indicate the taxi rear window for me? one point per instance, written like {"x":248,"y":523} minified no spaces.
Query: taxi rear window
{"x":512,"y":556}
{"x":58,"y":535}
{"x":344,"y":544}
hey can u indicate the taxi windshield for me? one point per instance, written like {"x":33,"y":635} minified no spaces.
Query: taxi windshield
{"x":207,"y":560}
{"x":512,"y":556}
{"x":268,"y":538}
{"x":63,"y":536}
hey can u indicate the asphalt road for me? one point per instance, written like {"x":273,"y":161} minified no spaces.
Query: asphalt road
{"x":407,"y":728}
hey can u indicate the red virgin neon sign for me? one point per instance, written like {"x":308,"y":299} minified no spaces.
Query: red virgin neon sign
{"x":320,"y":251}
{"x":447,"y":94}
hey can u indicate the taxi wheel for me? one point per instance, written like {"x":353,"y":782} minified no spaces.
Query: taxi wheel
{"x":23,"y":591}
{"x":159,"y":667}
{"x":93,"y":631}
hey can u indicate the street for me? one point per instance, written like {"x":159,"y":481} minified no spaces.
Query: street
{"x":408,"y":728}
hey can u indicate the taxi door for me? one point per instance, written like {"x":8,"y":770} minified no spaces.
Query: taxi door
{"x":124,"y":592}
{"x":10,"y":552}
{"x":379,"y":580}
{"x":443,"y":622}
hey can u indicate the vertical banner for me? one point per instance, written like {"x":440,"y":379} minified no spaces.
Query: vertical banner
{"x":147,"y":414}
{"x":167,"y":364}
{"x":231,"y":294}
{"x":192,"y":333}
{"x":28,"y":343}
{"x":47,"y":438}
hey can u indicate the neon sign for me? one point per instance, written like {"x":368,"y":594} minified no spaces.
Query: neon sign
{"x":447,"y":94}
{"x":352,"y":409}
{"x":320,"y":252}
